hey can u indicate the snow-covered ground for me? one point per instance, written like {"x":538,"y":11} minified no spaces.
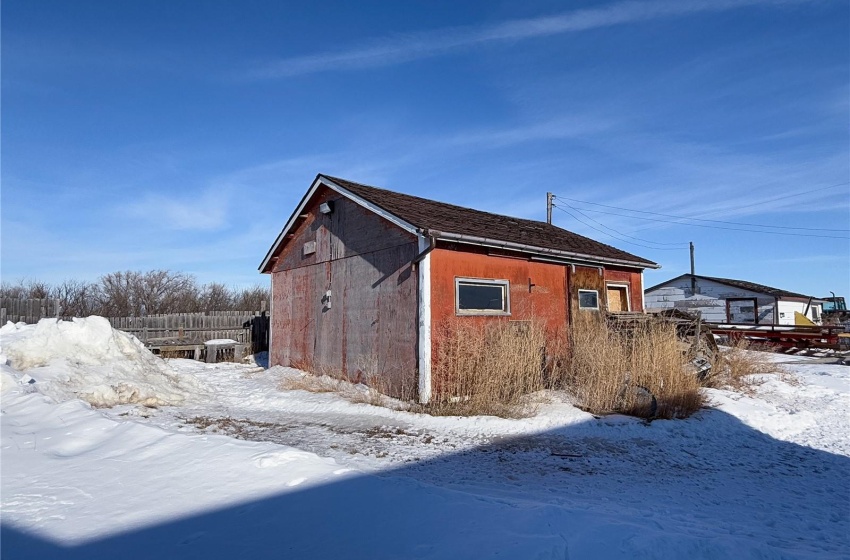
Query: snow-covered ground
{"x":237,"y":467}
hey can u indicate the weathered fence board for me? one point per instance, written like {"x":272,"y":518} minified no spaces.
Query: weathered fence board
{"x":191,"y":327}
{"x":27,"y":310}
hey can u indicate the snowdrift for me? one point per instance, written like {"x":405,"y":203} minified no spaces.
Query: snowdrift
{"x":88,"y":359}
{"x":7,"y":379}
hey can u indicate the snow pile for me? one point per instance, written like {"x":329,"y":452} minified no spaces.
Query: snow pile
{"x":88,"y":359}
{"x":7,"y":379}
{"x":11,"y":327}
{"x":220,"y":342}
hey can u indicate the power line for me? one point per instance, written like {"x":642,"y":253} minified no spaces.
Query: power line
{"x":718,"y":221}
{"x":794,"y":194}
{"x":615,"y":237}
{"x":620,"y":232}
{"x":718,"y":227}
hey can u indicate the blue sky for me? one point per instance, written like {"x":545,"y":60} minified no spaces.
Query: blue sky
{"x":180,"y":135}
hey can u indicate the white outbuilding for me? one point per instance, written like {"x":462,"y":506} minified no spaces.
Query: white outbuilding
{"x":724,"y":300}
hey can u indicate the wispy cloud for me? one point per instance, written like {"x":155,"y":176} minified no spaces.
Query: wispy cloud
{"x":207,"y":211}
{"x":558,"y":128}
{"x":400,"y":48}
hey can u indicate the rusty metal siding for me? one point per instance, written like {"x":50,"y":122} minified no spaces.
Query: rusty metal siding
{"x":586,"y":278}
{"x":292,"y":339}
{"x":380,"y":307}
{"x":633,"y":279}
{"x":537,"y":290}
{"x":348,"y":231}
{"x":281,"y":318}
{"x":368,"y":332}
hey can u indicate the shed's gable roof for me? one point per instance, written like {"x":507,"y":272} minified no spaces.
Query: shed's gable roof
{"x":470,"y":225}
{"x":742,"y":284}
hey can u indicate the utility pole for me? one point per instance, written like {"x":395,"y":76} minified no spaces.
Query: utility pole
{"x":692,"y":257}
{"x":693,"y":278}
{"x":549,"y":198}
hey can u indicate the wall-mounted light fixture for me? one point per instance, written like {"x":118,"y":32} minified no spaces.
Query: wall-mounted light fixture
{"x":326,"y":207}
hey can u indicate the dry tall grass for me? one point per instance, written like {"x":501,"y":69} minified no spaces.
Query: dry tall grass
{"x":363,"y":384}
{"x":612,"y":371}
{"x":487,"y":368}
{"x":491,"y":368}
{"x":740,"y":364}
{"x":334,"y":382}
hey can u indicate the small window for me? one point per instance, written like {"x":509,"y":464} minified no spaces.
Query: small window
{"x":588,"y":299}
{"x":618,"y":298}
{"x":482,"y":297}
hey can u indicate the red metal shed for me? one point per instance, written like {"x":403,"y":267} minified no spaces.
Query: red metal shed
{"x":361,"y":275}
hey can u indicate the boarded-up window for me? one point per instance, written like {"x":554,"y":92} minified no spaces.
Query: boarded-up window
{"x":618,"y":298}
{"x":482,"y":297}
{"x":588,"y":299}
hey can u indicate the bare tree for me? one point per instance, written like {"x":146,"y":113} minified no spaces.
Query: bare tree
{"x":163,"y":291}
{"x":9,"y":290}
{"x":252,"y":299}
{"x":38,"y":290}
{"x":26,"y":289}
{"x":77,"y":298}
{"x":125,"y":293}
{"x":215,"y":297}
{"x":116,"y":294}
{"x":147,"y":293}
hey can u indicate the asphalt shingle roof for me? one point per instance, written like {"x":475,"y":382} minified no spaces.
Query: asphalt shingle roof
{"x":742,"y":284}
{"x":753,"y":287}
{"x":448,"y":218}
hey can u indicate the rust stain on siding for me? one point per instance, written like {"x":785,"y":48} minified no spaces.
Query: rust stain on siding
{"x":368,"y":333}
{"x":545,"y":299}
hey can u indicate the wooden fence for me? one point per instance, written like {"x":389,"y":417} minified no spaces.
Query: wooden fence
{"x":247,"y":327}
{"x":191,"y":327}
{"x":27,"y":310}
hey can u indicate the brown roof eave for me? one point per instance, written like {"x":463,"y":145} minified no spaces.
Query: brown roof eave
{"x":405,"y":211}
{"x":265,"y":266}
{"x":567,"y":255}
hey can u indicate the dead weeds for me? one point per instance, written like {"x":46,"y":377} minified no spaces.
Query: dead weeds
{"x":367,"y":391}
{"x":641,"y":373}
{"x":496,"y":368}
{"x":743,"y":364}
{"x":487,"y":369}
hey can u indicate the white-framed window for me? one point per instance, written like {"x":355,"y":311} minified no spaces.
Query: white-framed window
{"x":477,"y":296}
{"x":588,"y":299}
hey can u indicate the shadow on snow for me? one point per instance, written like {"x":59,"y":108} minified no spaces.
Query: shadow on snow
{"x":709,"y":487}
